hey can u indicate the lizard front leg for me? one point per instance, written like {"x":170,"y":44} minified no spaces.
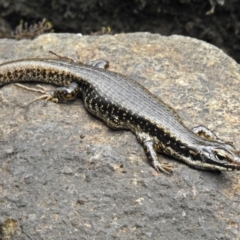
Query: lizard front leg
{"x":149,"y":147}
{"x":205,"y":133}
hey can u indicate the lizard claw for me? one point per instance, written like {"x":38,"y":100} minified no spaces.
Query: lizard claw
{"x":165,"y":167}
{"x":47,"y":95}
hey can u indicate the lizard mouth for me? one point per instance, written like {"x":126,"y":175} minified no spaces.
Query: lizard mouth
{"x":235,"y":165}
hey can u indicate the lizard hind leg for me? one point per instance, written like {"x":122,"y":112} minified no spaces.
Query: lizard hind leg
{"x":99,"y":63}
{"x":58,"y":95}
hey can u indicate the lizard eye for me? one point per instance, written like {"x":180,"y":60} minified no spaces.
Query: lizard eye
{"x":220,"y":157}
{"x":221,"y":154}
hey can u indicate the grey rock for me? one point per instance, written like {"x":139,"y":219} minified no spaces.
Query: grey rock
{"x":55,"y":184}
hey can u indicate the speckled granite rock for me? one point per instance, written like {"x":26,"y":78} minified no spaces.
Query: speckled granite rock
{"x":65,"y":175}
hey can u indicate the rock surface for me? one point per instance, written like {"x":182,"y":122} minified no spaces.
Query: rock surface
{"x":65,"y":175}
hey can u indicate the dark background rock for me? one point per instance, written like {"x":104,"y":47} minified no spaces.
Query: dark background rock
{"x":66,"y":175}
{"x":167,"y":17}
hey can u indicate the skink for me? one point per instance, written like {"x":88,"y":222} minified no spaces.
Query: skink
{"x":122,"y":103}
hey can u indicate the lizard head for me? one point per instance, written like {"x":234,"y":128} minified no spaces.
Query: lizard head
{"x":219,"y":156}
